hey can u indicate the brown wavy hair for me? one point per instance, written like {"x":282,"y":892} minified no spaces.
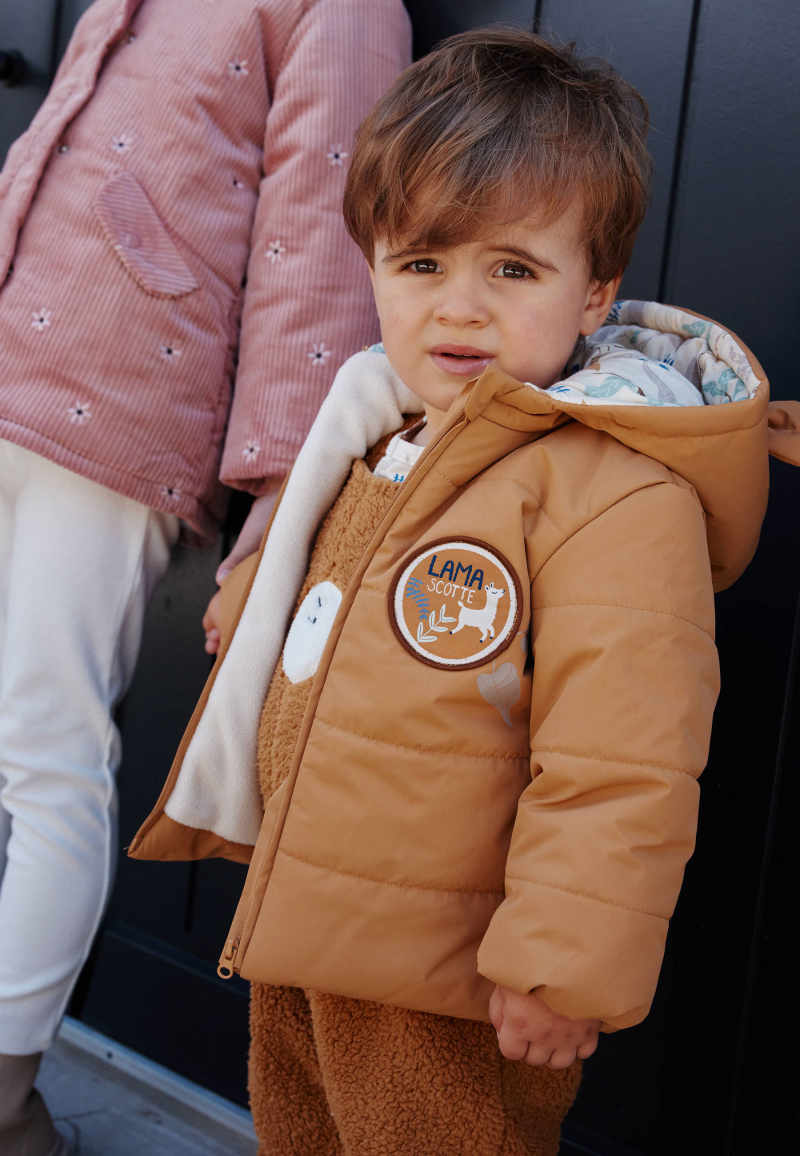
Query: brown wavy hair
{"x":494,"y":127}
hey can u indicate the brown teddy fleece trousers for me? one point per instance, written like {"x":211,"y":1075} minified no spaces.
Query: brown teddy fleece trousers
{"x":331,"y":1076}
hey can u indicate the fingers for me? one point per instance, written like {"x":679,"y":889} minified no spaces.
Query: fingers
{"x":512,"y":1037}
{"x":515,"y":1042}
{"x":561,"y":1058}
{"x":567,"y":1052}
{"x":496,"y":1008}
{"x":211,"y":616}
{"x":555,"y":1049}
{"x":528,"y":1030}
{"x":211,"y":624}
{"x":538,"y":1054}
{"x":512,"y":1045}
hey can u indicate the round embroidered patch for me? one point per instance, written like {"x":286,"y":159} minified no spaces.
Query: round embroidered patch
{"x":455,"y":604}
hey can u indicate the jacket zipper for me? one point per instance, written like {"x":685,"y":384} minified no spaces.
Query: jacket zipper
{"x":227,"y":963}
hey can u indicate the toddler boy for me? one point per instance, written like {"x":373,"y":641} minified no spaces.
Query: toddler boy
{"x":479,"y":740}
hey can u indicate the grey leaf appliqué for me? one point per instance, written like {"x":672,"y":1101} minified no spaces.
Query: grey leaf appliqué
{"x":501,"y":688}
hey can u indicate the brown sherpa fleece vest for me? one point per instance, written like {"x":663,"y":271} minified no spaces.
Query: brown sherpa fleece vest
{"x":335,"y":1076}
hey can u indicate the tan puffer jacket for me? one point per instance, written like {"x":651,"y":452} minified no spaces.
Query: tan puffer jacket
{"x":464,"y":810}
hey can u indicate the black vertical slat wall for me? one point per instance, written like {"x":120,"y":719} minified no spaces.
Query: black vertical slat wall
{"x":712,"y":1072}
{"x":648,"y":43}
{"x":734,"y":248}
{"x":31,"y":29}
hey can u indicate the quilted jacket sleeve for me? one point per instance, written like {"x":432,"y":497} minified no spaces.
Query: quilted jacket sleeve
{"x":624,"y":686}
{"x":308,"y":303}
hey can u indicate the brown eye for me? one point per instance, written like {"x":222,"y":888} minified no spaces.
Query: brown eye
{"x":513,"y":269}
{"x":425,"y":265}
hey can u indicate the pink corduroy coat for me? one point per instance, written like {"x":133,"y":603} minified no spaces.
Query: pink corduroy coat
{"x":171,"y":221}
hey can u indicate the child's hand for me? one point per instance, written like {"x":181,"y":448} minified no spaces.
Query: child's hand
{"x":527,"y":1030}
{"x":211,"y":623}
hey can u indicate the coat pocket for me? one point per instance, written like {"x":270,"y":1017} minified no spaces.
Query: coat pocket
{"x":140,"y":239}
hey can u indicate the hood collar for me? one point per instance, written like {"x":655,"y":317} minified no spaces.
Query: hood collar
{"x":705,"y":421}
{"x":657,"y":355}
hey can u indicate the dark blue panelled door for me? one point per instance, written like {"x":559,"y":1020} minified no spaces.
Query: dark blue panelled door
{"x":28,"y":37}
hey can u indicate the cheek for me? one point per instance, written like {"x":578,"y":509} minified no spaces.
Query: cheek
{"x":540,"y":336}
{"x":398,"y":316}
{"x":561,"y":311}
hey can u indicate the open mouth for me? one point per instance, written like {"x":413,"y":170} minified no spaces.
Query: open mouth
{"x":461,"y":359}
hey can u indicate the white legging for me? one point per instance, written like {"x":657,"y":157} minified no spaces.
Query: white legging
{"x":77,"y":564}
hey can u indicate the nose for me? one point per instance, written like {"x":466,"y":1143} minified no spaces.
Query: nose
{"x":461,"y":304}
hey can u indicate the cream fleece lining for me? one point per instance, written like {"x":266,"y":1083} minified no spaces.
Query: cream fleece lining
{"x":217,"y":785}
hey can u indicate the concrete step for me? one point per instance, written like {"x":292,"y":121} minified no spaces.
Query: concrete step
{"x":110,"y":1101}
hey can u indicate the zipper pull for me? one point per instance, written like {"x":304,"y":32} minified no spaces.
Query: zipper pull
{"x":226,"y":963}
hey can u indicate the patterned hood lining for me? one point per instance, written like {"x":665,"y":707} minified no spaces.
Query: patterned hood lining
{"x":652,"y":354}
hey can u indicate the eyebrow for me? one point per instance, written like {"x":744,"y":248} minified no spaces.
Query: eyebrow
{"x":523,"y":254}
{"x":413,"y":251}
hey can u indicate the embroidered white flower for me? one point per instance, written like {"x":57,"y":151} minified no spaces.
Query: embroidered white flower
{"x":238,"y":67}
{"x":237,"y":184}
{"x":275,"y":251}
{"x":170,"y":492}
{"x":79,"y":413}
{"x":41,"y":319}
{"x":170,"y":352}
{"x":336,"y":156}
{"x":122,"y":143}
{"x":250,"y":450}
{"x":319,"y":354}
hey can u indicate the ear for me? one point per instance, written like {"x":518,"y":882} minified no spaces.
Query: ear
{"x":598,"y":303}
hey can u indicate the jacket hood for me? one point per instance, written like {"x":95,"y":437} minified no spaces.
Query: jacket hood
{"x":677,"y":387}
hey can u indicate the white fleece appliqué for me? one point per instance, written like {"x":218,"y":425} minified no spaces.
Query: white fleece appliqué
{"x":309,"y":632}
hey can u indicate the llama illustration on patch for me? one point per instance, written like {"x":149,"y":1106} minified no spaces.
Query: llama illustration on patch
{"x":482,"y":619}
{"x":444,"y":588}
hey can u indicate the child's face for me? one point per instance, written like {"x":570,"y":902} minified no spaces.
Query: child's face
{"x":518,"y":298}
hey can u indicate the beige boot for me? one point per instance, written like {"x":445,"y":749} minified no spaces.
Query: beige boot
{"x":25,"y":1125}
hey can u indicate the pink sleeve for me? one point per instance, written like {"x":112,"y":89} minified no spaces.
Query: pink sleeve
{"x":308,"y":303}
